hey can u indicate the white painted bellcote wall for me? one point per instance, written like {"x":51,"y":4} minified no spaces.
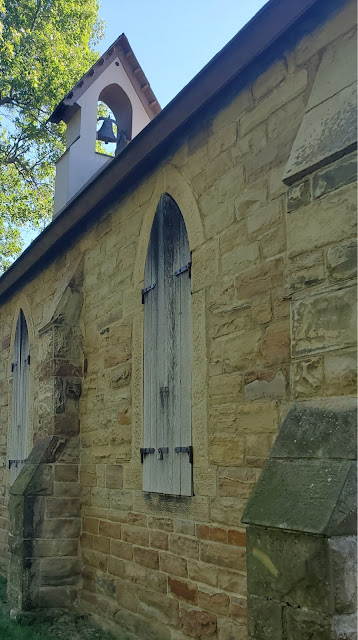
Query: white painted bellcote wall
{"x":80,"y":162}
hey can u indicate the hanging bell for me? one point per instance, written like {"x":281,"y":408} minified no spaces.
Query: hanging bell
{"x":106,"y":133}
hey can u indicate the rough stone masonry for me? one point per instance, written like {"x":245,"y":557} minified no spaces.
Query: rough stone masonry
{"x":273,"y":326}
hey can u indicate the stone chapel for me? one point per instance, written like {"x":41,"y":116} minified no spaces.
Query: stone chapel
{"x":178,"y":364}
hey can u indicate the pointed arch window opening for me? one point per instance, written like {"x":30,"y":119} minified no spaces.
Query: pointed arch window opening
{"x":20,"y":398}
{"x":167,"y":454}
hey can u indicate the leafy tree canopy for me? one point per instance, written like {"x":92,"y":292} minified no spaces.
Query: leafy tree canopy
{"x":45,"y":47}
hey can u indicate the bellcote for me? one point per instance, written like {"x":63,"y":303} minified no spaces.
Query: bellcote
{"x":117,"y":81}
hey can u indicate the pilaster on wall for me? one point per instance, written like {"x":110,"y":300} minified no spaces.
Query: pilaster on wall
{"x":301,"y":538}
{"x":45,"y":506}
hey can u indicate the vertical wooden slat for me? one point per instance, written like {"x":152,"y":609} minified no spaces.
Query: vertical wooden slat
{"x":20,"y":400}
{"x":184,"y":355}
{"x":167,"y":377}
{"x":150,"y":358}
{"x":24,"y":386}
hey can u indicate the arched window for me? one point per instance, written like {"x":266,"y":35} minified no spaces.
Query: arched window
{"x":167,"y":450}
{"x":20,"y":392}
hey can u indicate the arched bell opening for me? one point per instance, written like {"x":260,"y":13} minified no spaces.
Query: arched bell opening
{"x":114,"y":120}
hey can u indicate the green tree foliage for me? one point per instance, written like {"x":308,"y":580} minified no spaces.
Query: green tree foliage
{"x":45,"y":47}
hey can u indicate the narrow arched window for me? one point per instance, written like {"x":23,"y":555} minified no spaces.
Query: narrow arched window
{"x":20,"y":398}
{"x":167,"y":451}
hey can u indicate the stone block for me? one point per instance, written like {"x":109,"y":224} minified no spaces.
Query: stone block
{"x":158,"y":540}
{"x":340,"y":373}
{"x":335,"y":176}
{"x":226,"y":450}
{"x":146,"y":557}
{"x":236,"y":482}
{"x":141,"y":626}
{"x":204,"y":265}
{"x":63,"y":507}
{"x":227,"y":511}
{"x":135,"y":535}
{"x":69,"y":489}
{"x":66,"y":473}
{"x":232,"y":581}
{"x":268,"y":80}
{"x":214,"y":600}
{"x":298,"y":195}
{"x":62,"y":528}
{"x":222,"y":140}
{"x":135,"y":573}
{"x":159,"y":607}
{"x":157,"y":581}
{"x":324,"y":322}
{"x":196,"y":623}
{"x":264,"y":619}
{"x":218,"y":167}
{"x":223,"y":555}
{"x":228,"y":321}
{"x":284,"y":122}
{"x":203,"y":572}
{"x":260,"y":279}
{"x":282,"y":94}
{"x":307,"y":377}
{"x":261,"y":417}
{"x":205,"y":481}
{"x":231,"y":630}
{"x":242,"y":257}
{"x":343,"y":562}
{"x":242,"y":350}
{"x":274,"y":242}
{"x":276,"y":342}
{"x":165,"y":524}
{"x":261,"y":309}
{"x":173,"y":564}
{"x":206,"y":532}
{"x":342,"y":261}
{"x":186,"y":527}
{"x":108,"y":529}
{"x":183,"y":590}
{"x":318,"y":224}
{"x":254,"y":197}
{"x":305,"y":270}
{"x":304,"y":624}
{"x":116,"y":567}
{"x":344,"y":627}
{"x":264,"y":218}
{"x":57,"y":597}
{"x":223,"y":420}
{"x":221,"y":219}
{"x":184,"y":546}
{"x":121,"y":549}
{"x":59,"y":571}
{"x":238,"y":608}
{"x":237,"y":538}
{"x":261,"y":385}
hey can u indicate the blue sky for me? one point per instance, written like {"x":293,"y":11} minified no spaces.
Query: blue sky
{"x":174,"y":40}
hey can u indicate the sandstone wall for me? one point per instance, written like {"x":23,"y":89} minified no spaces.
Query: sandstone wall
{"x":272,"y":309}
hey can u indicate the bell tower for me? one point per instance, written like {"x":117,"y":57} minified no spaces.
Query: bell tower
{"x":117,"y":81}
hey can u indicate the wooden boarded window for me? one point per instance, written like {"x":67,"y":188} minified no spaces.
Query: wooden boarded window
{"x":20,"y":398}
{"x":167,"y":452}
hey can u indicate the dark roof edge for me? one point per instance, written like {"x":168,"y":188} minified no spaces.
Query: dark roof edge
{"x":264,"y":28}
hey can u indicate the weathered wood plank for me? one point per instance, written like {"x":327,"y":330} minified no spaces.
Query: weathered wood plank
{"x":166,"y":365}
